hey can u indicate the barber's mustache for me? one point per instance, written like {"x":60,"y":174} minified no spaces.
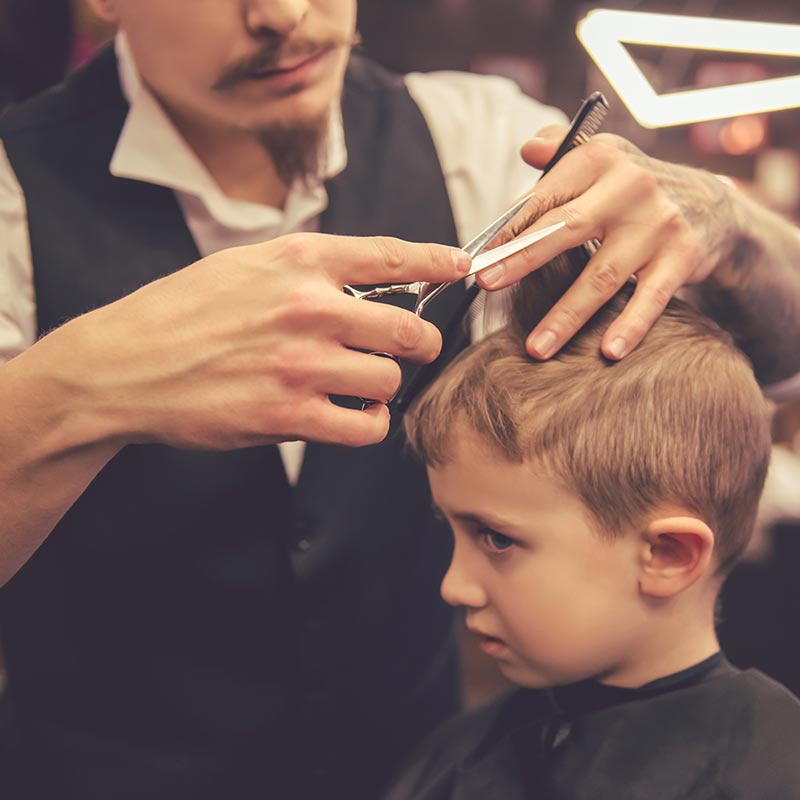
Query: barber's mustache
{"x":276,"y":49}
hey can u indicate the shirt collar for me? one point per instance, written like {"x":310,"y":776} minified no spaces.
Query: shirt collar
{"x":150,"y":149}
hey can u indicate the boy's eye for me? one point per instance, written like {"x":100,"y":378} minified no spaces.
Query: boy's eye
{"x":494,"y":541}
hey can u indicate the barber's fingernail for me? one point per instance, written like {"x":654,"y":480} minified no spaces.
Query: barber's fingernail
{"x":492,"y":275}
{"x":461,"y":260}
{"x":618,"y":348}
{"x":543,"y":344}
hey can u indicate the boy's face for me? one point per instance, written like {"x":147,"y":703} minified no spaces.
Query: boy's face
{"x":550,"y":600}
{"x":248,"y":64}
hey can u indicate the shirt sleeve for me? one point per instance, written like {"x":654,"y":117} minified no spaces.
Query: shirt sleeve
{"x":17,"y":304}
{"x":478,"y":124}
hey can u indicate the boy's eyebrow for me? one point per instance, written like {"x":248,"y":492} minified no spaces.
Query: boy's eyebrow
{"x":481,"y":520}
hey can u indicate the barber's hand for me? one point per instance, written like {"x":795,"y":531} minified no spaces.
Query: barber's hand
{"x":244,"y":346}
{"x":666,"y":224}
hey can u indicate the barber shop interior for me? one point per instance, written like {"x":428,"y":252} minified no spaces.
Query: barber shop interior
{"x":399,"y":400}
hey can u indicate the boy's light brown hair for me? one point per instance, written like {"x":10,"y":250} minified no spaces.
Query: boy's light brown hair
{"x":679,"y":420}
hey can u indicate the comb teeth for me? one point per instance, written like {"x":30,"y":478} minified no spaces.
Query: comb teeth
{"x":586,"y":122}
{"x":590,"y":125}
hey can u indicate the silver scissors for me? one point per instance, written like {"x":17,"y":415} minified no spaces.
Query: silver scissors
{"x":584,"y":124}
{"x":425,"y":291}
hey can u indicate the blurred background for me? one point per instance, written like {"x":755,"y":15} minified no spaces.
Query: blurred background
{"x":534,"y":42}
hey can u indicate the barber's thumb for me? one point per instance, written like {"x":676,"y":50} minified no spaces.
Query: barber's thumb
{"x":539,"y":150}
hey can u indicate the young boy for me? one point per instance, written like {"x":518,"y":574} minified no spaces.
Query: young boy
{"x":596,"y":509}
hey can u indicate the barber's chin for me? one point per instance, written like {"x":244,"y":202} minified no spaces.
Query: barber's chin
{"x":302,"y":110}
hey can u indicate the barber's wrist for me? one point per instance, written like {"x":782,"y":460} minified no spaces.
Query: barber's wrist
{"x":737,"y":244}
{"x":55,"y":385}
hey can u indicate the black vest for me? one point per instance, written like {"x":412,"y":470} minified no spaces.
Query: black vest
{"x":193,"y":627}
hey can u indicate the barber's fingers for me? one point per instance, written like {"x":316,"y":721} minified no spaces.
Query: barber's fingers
{"x":320,"y":314}
{"x":539,"y":150}
{"x":579,"y":227}
{"x":597,"y":150}
{"x":606,"y":272}
{"x":626,"y":201}
{"x":328,"y":423}
{"x":590,"y":188}
{"x":384,"y":328}
{"x":340,"y":371}
{"x":377,"y":259}
{"x":656,"y":284}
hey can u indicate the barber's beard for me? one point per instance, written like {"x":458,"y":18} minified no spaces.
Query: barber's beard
{"x":298,"y":150}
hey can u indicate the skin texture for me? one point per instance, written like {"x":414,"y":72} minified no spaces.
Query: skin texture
{"x":553,"y":599}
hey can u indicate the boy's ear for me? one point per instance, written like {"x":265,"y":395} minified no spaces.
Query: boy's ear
{"x":677,"y":551}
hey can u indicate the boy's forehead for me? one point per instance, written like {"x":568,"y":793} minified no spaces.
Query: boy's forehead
{"x":475,"y":475}
{"x":464,"y":443}
{"x":467,"y":449}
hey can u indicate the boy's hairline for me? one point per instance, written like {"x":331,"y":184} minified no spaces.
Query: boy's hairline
{"x":660,"y":509}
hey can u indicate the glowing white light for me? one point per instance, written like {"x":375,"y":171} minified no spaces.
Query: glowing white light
{"x":604,"y":32}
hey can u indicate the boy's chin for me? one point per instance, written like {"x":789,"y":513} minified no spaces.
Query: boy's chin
{"x":527,"y":676}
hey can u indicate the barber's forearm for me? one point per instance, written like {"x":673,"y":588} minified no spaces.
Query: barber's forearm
{"x":52,"y":445}
{"x":754,"y":292}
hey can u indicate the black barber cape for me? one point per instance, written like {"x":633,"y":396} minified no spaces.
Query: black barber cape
{"x":194,"y":627}
{"x":711,"y":732}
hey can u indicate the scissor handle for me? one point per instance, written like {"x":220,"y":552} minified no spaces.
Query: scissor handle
{"x":383,"y":291}
{"x":377,"y":293}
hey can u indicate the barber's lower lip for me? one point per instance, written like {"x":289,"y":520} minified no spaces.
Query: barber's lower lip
{"x":296,"y":72}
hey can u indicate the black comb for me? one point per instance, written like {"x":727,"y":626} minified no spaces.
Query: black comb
{"x":584,"y":125}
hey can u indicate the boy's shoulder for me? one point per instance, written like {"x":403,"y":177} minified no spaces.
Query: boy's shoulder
{"x":733,"y":736}
{"x":764,"y":742}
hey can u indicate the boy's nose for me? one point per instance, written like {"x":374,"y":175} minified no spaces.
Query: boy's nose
{"x":277,"y":16}
{"x":459,"y":589}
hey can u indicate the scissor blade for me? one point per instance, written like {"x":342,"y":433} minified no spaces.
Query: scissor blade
{"x":491,"y":257}
{"x":490,"y":231}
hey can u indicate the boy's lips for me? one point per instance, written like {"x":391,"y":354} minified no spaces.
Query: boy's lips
{"x":491,"y":645}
